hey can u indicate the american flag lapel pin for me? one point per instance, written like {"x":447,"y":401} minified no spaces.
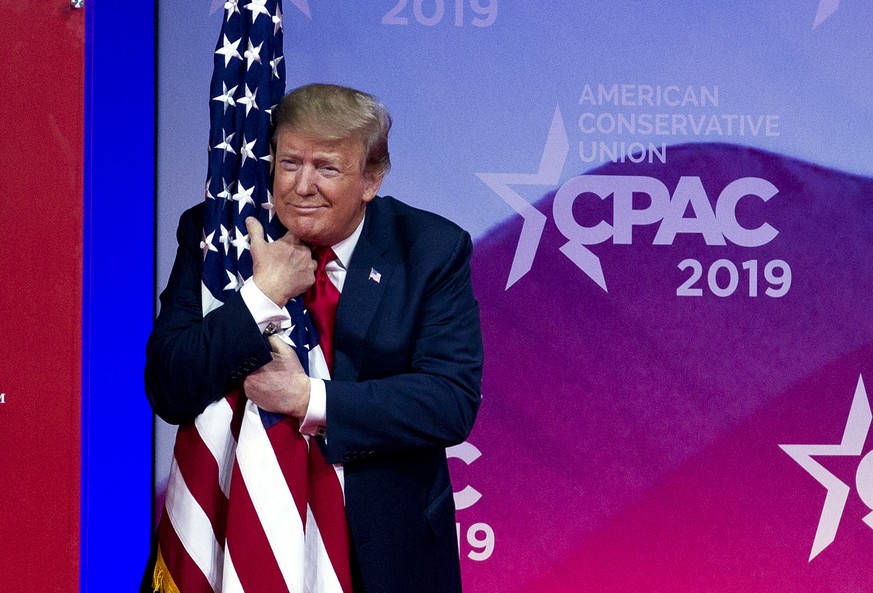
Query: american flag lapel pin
{"x":375,"y":276}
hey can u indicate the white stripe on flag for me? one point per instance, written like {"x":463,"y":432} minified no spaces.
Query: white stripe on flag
{"x":208,"y":302}
{"x":317,"y":364}
{"x":320,"y":574}
{"x":193,"y":527}
{"x":231,"y":579}
{"x":213,"y":426}
{"x":270,"y":496}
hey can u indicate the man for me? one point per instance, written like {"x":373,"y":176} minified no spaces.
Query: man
{"x":407,"y":351}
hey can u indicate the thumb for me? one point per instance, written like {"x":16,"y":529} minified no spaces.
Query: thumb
{"x":255,"y":230}
{"x":279,"y":346}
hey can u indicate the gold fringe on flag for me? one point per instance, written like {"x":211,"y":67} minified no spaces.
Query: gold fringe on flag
{"x":162,"y":580}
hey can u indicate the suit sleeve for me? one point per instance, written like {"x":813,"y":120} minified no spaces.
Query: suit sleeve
{"x":431,"y":402}
{"x":192,"y":360}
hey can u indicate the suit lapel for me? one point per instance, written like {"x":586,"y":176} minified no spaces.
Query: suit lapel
{"x":368,"y":275}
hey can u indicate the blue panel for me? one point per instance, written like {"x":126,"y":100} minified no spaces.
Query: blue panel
{"x":118,"y":295}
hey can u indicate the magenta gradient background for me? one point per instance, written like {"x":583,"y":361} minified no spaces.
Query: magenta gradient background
{"x":630,"y":440}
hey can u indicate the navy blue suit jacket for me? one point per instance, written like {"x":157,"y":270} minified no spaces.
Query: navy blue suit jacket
{"x":406,"y":383}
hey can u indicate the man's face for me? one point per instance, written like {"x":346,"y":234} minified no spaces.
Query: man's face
{"x":320,"y":191}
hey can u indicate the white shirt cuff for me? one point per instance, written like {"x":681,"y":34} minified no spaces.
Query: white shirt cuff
{"x":316,"y":414}
{"x":262,"y":308}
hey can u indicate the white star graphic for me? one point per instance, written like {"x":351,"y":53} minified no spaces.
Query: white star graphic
{"x":246,"y":151}
{"x":277,"y":20}
{"x":234,"y":281}
{"x":224,"y":239}
{"x":231,"y":7}
{"x":250,"y":100}
{"x":224,"y":193}
{"x":852,"y":444}
{"x":269,"y":159}
{"x":228,"y":50}
{"x":209,"y":195}
{"x":268,"y":206}
{"x":226,"y":97}
{"x":301,"y":5}
{"x":274,"y":64}
{"x":549,"y":173}
{"x":206,"y":244}
{"x":241,"y":242}
{"x":253,"y":54}
{"x":825,"y":9}
{"x":244,"y":196}
{"x":225,"y":143}
{"x":258,"y":7}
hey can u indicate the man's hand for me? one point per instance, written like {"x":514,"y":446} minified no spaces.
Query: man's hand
{"x":282,"y":269}
{"x":280,"y":386}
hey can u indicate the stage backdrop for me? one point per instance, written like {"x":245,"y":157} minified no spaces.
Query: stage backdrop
{"x":672,"y":211}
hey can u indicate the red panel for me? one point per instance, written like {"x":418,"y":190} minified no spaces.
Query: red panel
{"x":41,"y":189}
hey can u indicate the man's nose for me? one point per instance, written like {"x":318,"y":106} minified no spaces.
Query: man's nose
{"x":305,"y":182}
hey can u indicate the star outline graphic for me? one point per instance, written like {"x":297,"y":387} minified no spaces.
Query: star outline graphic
{"x":555,"y":152}
{"x":852,"y":444}
{"x":551,"y":166}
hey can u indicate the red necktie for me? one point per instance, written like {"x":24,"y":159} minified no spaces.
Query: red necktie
{"x":321,"y":300}
{"x":325,"y":494}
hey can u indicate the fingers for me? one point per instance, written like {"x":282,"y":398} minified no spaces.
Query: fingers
{"x":279,"y":346}
{"x":255,"y":230}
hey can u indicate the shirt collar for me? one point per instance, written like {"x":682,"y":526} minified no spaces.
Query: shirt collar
{"x":344,"y":249}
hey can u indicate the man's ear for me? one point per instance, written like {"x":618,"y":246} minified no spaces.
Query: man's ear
{"x":372,"y":182}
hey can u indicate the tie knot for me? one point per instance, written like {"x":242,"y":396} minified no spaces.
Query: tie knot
{"x":323,"y":256}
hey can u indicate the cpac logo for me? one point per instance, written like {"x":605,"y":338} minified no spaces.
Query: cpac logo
{"x":852,"y":445}
{"x":715,"y":225}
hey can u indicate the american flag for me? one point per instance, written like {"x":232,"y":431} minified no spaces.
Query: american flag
{"x":251,"y":504}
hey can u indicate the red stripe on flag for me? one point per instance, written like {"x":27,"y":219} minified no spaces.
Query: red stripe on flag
{"x":185,"y":573}
{"x":237,"y":401}
{"x":291,"y":452}
{"x":250,"y":551}
{"x":200,"y":472}
{"x":327,"y":504}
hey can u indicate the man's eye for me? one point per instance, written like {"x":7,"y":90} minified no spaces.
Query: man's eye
{"x":329,"y":169}
{"x":289,"y":165}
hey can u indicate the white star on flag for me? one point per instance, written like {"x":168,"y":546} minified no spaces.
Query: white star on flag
{"x":228,"y":50}
{"x":253,"y":54}
{"x":225,"y":144}
{"x":268,"y":206}
{"x":226,"y":97}
{"x":233,"y":284}
{"x":250,"y":100}
{"x":274,"y":64}
{"x":224,"y":239}
{"x":206,"y":244}
{"x":246,"y":150}
{"x":269,"y":159}
{"x":241,"y":242}
{"x":244,"y":196}
{"x":231,"y":7}
{"x":225,"y":193}
{"x":258,"y":7}
{"x":277,"y":20}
